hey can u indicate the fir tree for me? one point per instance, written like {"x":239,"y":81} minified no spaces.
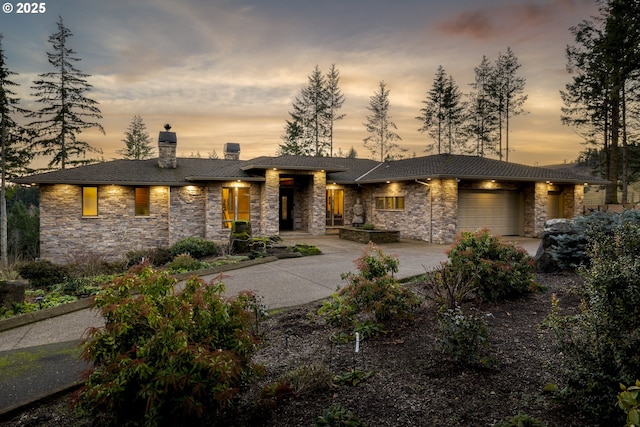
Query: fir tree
{"x":67,"y":111}
{"x":379,"y":125}
{"x":137,"y":141}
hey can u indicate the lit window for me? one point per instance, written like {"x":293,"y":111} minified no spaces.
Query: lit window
{"x":89,"y":201}
{"x":235,"y":205}
{"x":390,"y":202}
{"x":142,"y":201}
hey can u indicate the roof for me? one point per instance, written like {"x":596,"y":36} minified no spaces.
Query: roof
{"x":339,"y":170}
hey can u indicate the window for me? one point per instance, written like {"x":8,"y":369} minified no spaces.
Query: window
{"x":142,"y":201}
{"x":235,"y":205}
{"x":89,"y":201}
{"x":390,"y":202}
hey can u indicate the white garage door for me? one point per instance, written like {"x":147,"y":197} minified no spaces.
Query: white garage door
{"x":499,"y":211}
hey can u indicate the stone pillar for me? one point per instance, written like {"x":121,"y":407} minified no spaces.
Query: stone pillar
{"x":444,"y":221}
{"x":540,"y":208}
{"x":573,"y":200}
{"x":270,"y":214}
{"x":318,"y":204}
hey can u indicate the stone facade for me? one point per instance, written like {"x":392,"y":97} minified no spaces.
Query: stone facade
{"x":187,"y":215}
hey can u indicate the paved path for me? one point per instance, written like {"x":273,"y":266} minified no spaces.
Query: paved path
{"x":53,"y":343}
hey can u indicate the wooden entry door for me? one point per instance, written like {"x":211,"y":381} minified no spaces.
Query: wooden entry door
{"x":286,"y":208}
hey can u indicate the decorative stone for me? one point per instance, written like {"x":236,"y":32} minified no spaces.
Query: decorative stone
{"x":544,"y":261}
{"x":11,"y":292}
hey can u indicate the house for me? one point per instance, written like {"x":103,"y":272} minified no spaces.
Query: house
{"x":110,"y":208}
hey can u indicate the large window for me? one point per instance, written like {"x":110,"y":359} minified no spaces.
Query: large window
{"x":235,"y":205}
{"x":390,"y":202}
{"x":89,"y":201}
{"x":142,"y":201}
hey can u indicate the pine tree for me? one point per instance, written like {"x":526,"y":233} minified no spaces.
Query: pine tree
{"x":455,"y":117}
{"x":137,"y":141}
{"x":482,"y":113}
{"x":66,"y":111}
{"x":433,"y":113}
{"x":335,"y":99}
{"x":15,"y":156}
{"x":379,"y":125}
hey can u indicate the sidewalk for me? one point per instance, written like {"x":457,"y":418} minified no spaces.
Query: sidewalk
{"x":41,"y":358}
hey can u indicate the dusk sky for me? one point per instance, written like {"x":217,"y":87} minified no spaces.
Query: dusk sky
{"x":228,"y":71}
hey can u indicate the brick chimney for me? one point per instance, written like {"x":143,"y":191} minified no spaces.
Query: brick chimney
{"x":232,"y":151}
{"x":167,"y":148}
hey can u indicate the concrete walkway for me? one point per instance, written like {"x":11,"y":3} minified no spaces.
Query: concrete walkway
{"x":53,"y":342}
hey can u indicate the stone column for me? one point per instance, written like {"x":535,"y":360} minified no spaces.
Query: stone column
{"x":318,"y":204}
{"x":270,"y":214}
{"x":540,"y":208}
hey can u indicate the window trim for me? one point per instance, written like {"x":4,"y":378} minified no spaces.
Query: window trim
{"x":86,"y":200}
{"x":395,"y":198}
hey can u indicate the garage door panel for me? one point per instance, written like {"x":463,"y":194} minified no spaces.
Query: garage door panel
{"x":498,"y":211}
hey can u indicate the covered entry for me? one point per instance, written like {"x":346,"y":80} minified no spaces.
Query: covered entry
{"x":497,"y":210}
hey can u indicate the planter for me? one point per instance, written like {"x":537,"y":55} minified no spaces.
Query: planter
{"x":366,"y":236}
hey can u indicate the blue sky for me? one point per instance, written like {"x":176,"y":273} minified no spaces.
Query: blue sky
{"x":222,"y":71}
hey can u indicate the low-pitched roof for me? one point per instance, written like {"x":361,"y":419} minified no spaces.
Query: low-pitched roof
{"x":339,"y":170}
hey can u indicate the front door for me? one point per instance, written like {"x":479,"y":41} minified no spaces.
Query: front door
{"x":335,"y":207}
{"x":286,"y":208}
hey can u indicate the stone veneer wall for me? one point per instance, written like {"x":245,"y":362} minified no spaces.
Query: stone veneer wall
{"x":270,"y":201}
{"x":540,"y":208}
{"x":318,"y":204}
{"x":213,"y":210}
{"x":529,"y":199}
{"x":444,"y":200}
{"x":66,"y":234}
{"x":187,"y":214}
{"x":573,"y":196}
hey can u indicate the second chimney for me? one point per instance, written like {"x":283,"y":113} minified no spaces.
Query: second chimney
{"x":232,"y":151}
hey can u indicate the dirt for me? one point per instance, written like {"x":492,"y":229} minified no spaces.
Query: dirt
{"x":412,"y":383}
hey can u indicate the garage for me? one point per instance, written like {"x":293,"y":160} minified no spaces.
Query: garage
{"x":497,"y":210}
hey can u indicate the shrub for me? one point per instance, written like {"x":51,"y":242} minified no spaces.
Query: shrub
{"x":599,"y":345}
{"x":498,"y":270}
{"x":464,"y":337}
{"x":448,"y":287}
{"x":166,"y":358}
{"x":43,"y":273}
{"x":628,"y":401}
{"x":184,"y":263}
{"x":521,"y":420}
{"x":337,"y":416}
{"x":372,"y":292}
{"x":197,"y":247}
{"x":155,"y":256}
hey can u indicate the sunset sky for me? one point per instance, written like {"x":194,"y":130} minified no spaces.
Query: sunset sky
{"x":228,"y":70}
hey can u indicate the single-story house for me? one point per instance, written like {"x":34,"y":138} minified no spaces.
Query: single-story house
{"x":113,"y":207}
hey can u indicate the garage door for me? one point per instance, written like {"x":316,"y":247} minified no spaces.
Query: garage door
{"x":499,"y":211}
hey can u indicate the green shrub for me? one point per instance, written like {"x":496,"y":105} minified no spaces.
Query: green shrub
{"x":197,"y":247}
{"x":184,"y":263}
{"x":43,"y":273}
{"x":306,"y":250}
{"x":628,"y":401}
{"x":337,"y":416}
{"x":372,"y":292}
{"x":164,"y":358}
{"x":156,"y":256}
{"x":599,"y":345}
{"x":521,"y":420}
{"x":498,"y":269}
{"x":368,"y":226}
{"x":464,"y":337}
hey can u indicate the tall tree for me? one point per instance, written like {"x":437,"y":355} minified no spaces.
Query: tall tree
{"x":455,"y":117}
{"x":137,"y":141}
{"x":307,"y":131}
{"x":15,"y":156}
{"x":67,"y":111}
{"x":482,"y":113}
{"x":433,"y":114}
{"x":605,"y":61}
{"x":335,"y":99}
{"x":380,"y":127}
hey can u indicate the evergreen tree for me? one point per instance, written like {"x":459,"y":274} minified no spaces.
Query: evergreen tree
{"x":455,"y":117}
{"x":379,"y":125}
{"x":335,"y":99}
{"x":66,"y":111}
{"x":433,"y":113}
{"x":15,"y":156}
{"x":352,"y":153}
{"x":482,"y":114}
{"x":507,"y":90}
{"x":137,"y":141}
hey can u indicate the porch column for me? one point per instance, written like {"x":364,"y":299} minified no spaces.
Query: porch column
{"x":573,"y":201}
{"x":540,"y":208}
{"x":318,"y":204}
{"x":271,"y":203}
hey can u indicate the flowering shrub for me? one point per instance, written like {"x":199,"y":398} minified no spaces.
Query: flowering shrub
{"x":498,"y":270}
{"x":463,"y":336}
{"x":163,"y":358}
